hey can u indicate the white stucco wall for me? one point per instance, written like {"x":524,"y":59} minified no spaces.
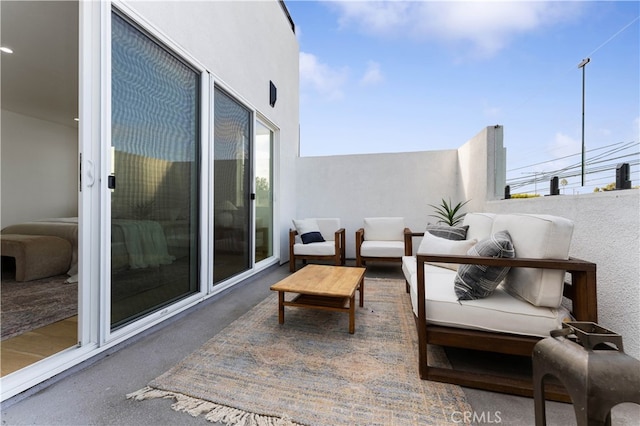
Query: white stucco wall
{"x":607,"y":233}
{"x":244,"y":45}
{"x":39,"y":164}
{"x":353,"y":187}
{"x":482,"y":167}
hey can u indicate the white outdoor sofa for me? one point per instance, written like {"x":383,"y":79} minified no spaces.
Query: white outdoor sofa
{"x":532,"y":300}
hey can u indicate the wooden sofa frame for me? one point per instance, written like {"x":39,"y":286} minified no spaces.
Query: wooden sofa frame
{"x":338,"y":257}
{"x":362,"y":260}
{"x":581,"y":291}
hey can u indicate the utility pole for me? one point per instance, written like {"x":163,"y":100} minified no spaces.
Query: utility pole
{"x":582,"y":65}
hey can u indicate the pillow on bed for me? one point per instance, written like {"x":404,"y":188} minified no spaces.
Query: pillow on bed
{"x":479,"y":281}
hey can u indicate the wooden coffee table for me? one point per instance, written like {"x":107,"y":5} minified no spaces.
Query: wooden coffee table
{"x":330,"y":288}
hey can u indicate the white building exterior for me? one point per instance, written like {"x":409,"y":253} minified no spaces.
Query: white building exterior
{"x":242,"y":56}
{"x":239,"y":48}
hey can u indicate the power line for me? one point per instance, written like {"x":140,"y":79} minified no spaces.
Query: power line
{"x":572,"y":68}
{"x":630,"y":144}
{"x":613,"y":36}
{"x":595,"y":168}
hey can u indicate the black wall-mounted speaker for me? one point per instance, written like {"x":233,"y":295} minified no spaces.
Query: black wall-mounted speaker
{"x":273,"y":94}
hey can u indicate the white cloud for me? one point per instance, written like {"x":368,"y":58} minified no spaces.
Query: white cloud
{"x":373,"y":74}
{"x":564,"y":145}
{"x":564,"y":149}
{"x":322,"y":78}
{"x":484,"y":27}
{"x":376,"y":16}
{"x":492,"y":112}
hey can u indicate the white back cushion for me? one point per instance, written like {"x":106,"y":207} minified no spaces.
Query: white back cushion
{"x":384,"y":228}
{"x":537,"y":237}
{"x":480,"y":225}
{"x":328,"y":227}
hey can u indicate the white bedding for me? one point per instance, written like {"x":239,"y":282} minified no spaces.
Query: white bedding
{"x":144,"y":240}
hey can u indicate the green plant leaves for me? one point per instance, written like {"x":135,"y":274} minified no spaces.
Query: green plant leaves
{"x":447,"y":213}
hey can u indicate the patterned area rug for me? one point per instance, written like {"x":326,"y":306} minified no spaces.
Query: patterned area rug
{"x":311,"y":371}
{"x":29,"y":305}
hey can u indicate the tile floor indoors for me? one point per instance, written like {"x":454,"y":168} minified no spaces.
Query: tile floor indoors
{"x":93,"y":393}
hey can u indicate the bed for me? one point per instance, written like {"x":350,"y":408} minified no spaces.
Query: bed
{"x":135,"y":243}
{"x":63,"y":227}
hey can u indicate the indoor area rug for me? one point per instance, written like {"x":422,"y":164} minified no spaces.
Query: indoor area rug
{"x":29,"y":305}
{"x":311,"y":371}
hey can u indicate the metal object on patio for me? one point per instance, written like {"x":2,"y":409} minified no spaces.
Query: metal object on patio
{"x":589,"y":361}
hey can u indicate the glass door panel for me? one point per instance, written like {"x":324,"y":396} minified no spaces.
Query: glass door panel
{"x":231,"y":193}
{"x":154,"y":199}
{"x":264,"y":192}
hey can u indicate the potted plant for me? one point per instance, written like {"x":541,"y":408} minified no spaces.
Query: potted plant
{"x":447,"y":213}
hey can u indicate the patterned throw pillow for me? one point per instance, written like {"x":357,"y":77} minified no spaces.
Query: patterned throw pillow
{"x":479,"y":281}
{"x":308,"y":230}
{"x":456,"y":233}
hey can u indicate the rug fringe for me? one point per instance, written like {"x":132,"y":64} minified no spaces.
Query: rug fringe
{"x":213,"y":412}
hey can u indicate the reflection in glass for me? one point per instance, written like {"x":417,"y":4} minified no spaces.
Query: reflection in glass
{"x":264,"y":194}
{"x":231,"y":193}
{"x":155,"y":134}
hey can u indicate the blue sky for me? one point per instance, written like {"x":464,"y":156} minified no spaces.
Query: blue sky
{"x":405,"y":76}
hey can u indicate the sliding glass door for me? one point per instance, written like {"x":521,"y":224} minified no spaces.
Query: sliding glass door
{"x":264,"y":192}
{"x":231,"y":187}
{"x":154,"y":181}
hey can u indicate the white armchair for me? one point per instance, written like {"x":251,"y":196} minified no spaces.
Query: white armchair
{"x":316,"y":239}
{"x":381,"y":239}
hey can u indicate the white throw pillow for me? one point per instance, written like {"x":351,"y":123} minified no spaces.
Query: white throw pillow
{"x":308,"y":230}
{"x":435,"y":245}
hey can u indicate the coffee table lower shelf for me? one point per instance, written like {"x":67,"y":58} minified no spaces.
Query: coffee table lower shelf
{"x":326,"y":303}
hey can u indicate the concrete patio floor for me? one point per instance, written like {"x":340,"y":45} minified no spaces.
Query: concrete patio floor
{"x":93,"y":393}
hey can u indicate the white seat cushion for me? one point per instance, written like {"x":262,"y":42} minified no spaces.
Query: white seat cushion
{"x":327,"y":248}
{"x":499,"y":312}
{"x":409,"y":267}
{"x":382,"y":249}
{"x":536,"y":237}
{"x":384,"y":229}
